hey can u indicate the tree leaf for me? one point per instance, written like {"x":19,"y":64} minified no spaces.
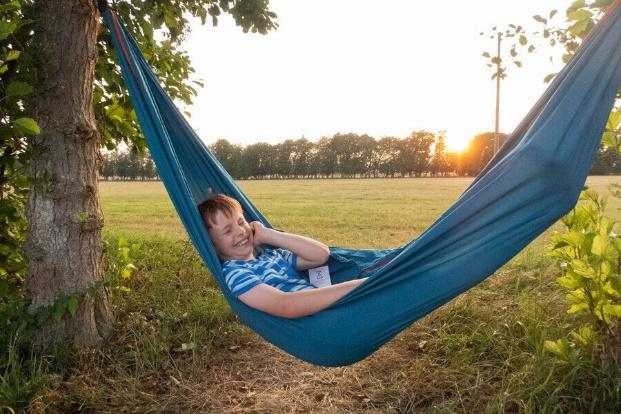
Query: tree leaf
{"x":14,"y":5}
{"x":600,"y":242}
{"x":12,"y":55}
{"x":27,"y":126}
{"x":584,"y":336}
{"x":72,"y":304}
{"x":577,"y":307}
{"x":609,"y":139}
{"x":560,"y":348}
{"x":4,"y":287}
{"x":17,"y":88}
{"x":568,"y":282}
{"x":579,"y":28}
{"x":612,"y":310}
{"x":59,"y":309}
{"x":579,"y":15}
{"x":6,"y":28}
{"x":613,"y":120}
{"x":609,"y":289}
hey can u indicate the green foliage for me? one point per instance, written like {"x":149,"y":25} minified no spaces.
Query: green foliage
{"x":15,"y":127}
{"x":22,"y":377}
{"x":589,"y":256}
{"x":120,"y":267}
{"x":612,"y":133}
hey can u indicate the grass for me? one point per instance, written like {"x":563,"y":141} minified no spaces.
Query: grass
{"x":177,"y":347}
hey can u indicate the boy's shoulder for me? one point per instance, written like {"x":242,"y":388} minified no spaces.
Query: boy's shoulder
{"x":267,"y":255}
{"x":278,"y":251}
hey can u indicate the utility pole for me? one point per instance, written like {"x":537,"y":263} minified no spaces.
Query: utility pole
{"x":496,"y":137}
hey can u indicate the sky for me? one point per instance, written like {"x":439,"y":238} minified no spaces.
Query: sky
{"x":381,"y":68}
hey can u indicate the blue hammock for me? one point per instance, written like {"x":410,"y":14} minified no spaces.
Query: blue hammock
{"x":533,"y":180}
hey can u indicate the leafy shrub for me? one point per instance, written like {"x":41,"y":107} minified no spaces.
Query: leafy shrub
{"x":589,"y":257}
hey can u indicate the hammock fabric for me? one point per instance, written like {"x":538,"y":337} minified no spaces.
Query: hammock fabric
{"x":533,"y":180}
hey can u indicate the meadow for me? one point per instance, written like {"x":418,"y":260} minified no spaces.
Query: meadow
{"x":177,"y":347}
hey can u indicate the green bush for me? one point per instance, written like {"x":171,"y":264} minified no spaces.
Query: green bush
{"x":589,"y":257}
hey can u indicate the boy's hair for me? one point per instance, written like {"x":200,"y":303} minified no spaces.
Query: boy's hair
{"x":218,"y":202}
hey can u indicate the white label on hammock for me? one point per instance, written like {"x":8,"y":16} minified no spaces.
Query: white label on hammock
{"x":319,"y":276}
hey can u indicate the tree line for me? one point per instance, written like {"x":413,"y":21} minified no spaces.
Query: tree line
{"x":351,"y":155}
{"x":421,"y":154}
{"x":128,"y":165}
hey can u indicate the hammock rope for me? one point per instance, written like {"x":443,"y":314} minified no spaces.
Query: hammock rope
{"x":533,"y":180}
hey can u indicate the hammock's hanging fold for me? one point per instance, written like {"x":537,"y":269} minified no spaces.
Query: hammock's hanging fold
{"x":534,"y":180}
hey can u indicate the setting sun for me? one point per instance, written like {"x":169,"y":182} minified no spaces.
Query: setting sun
{"x":458,"y":140}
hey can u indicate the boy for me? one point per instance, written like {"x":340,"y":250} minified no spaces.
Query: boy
{"x":269,"y":282}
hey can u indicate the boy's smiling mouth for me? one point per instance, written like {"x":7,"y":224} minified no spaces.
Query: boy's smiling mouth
{"x":243,"y":242}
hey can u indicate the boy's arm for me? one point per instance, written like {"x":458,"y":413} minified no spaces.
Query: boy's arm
{"x":296,"y":304}
{"x":311,"y":253}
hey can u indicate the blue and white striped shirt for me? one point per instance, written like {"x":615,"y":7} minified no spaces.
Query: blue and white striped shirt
{"x":274,"y":267}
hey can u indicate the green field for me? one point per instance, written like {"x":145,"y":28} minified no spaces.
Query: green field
{"x":355,"y":213}
{"x":177,"y":347}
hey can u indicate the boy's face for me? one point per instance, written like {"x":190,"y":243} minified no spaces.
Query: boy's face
{"x":232,"y":236}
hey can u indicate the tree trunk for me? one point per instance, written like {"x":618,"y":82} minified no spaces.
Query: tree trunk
{"x":64,"y":246}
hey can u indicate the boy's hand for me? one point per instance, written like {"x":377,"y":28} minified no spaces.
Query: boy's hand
{"x":257,"y":232}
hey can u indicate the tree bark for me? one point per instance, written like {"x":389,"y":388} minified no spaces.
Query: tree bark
{"x":64,"y":246}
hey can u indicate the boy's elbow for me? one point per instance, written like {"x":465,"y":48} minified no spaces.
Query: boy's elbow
{"x":324,"y":256}
{"x":289,"y":308}
{"x":327,"y":254}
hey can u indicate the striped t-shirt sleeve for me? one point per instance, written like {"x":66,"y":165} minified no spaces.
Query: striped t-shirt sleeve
{"x":289,"y":256}
{"x":240,"y":280}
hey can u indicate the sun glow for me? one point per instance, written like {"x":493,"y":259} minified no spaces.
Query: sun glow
{"x":457,"y":141}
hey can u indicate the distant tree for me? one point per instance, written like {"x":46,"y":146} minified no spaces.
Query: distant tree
{"x":439,"y":161}
{"x":109,"y":165}
{"x":230,"y":156}
{"x":416,"y":153}
{"x":453,"y":163}
{"x":283,"y":165}
{"x":122,"y":166}
{"x":149,"y":171}
{"x":258,"y":160}
{"x":341,"y":145}
{"x":479,"y":152}
{"x":134,"y":160}
{"x":129,"y":165}
{"x":314,"y":161}
{"x":302,"y":157}
{"x":326,"y":161}
{"x":363,"y":154}
{"x":388,"y":151}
